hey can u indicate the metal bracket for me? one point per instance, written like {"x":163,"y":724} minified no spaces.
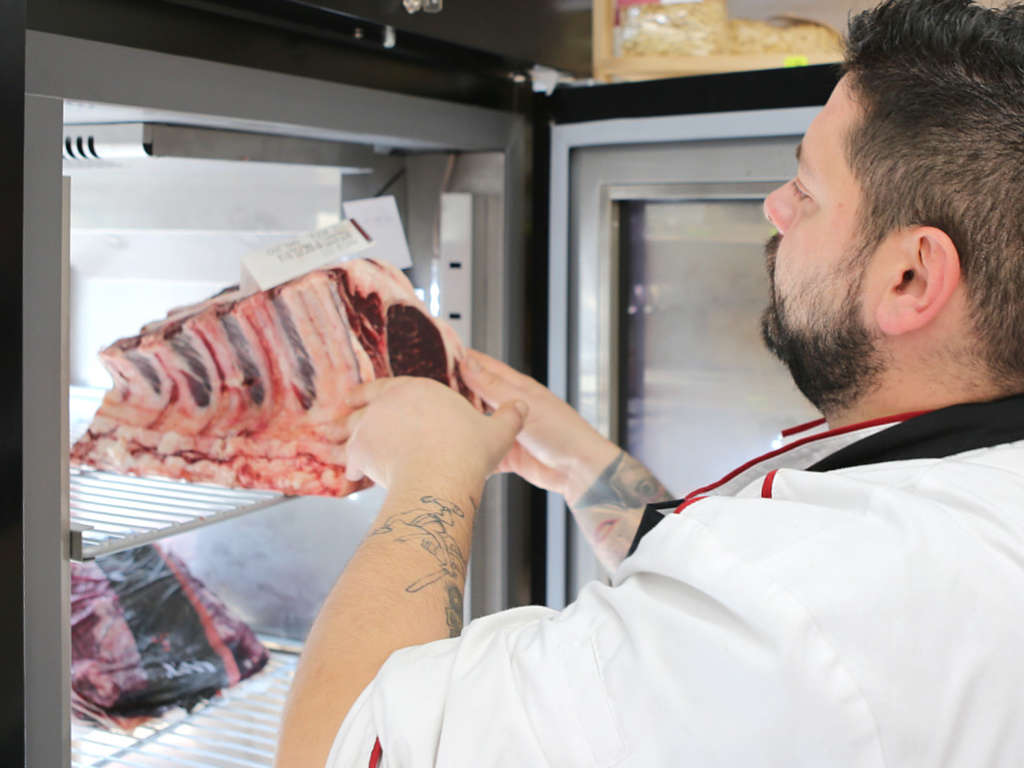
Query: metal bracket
{"x":456,"y":273}
{"x":76,"y":546}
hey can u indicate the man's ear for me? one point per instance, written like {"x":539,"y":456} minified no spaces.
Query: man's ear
{"x":920,"y":272}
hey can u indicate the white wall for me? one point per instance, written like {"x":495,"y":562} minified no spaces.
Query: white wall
{"x":149,"y":235}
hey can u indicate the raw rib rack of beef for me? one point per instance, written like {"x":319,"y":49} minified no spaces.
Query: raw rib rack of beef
{"x":248,"y":391}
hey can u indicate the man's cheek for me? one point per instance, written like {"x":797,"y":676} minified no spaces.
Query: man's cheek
{"x":782,"y":278}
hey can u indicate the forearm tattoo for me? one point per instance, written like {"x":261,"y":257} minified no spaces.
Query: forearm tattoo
{"x":428,"y":527}
{"x":453,"y":611}
{"x":610,"y":510}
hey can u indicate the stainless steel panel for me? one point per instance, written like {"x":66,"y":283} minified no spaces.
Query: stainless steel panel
{"x":492,"y":563}
{"x":500,"y":185}
{"x":739,"y":167}
{"x":598,"y":344}
{"x":134,"y":85}
{"x":588,"y":161}
{"x":45,"y":439}
{"x":213,"y":144}
{"x":700,"y":394}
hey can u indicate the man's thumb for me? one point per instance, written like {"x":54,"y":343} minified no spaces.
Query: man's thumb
{"x":512,"y":416}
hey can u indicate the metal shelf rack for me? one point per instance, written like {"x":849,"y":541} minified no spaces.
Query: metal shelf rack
{"x":112,"y":512}
{"x":236,"y":729}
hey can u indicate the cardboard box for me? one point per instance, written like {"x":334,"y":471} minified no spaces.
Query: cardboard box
{"x":610,"y":63}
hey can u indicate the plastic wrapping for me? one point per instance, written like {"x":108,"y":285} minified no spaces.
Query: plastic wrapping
{"x":679,"y":28}
{"x":147,"y":636}
{"x":789,"y":36}
{"x":704,"y":28}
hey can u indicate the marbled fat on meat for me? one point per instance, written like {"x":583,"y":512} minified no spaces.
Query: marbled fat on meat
{"x":249,"y":391}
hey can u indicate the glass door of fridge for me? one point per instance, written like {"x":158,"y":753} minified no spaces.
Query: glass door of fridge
{"x":658,"y":283}
{"x":698,"y":393}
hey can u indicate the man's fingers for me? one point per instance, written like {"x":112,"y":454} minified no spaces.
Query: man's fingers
{"x":492,"y":384}
{"x":509,"y":419}
{"x":509,"y":462}
{"x":363,"y":394}
{"x":496,"y":367}
{"x":530,"y":468}
{"x":349,"y":424}
{"x":353,"y":473}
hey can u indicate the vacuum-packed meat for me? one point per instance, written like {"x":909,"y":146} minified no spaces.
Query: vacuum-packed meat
{"x":147,"y":635}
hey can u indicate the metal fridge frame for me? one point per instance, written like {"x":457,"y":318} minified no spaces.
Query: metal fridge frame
{"x":61,"y":68}
{"x":581,"y":245}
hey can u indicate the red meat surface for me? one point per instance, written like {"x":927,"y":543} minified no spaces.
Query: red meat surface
{"x":249,"y":391}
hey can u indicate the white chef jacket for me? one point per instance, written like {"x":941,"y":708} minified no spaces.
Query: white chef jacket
{"x":867,"y":616}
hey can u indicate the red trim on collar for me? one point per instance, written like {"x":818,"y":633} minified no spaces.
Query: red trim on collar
{"x":687,"y":502}
{"x":802,"y":428}
{"x":376,"y":754}
{"x":766,"y":486}
{"x":804,"y":441}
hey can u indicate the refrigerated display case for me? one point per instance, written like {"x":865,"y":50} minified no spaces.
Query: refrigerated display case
{"x":657,"y":277}
{"x":600,"y":199}
{"x":160,"y":189}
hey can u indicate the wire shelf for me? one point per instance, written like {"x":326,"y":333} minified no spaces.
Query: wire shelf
{"x":236,"y":729}
{"x":112,"y":512}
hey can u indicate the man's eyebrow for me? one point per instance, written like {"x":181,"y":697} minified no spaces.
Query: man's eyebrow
{"x":799,"y":150}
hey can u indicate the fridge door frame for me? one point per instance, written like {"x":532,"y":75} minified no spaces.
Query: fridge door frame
{"x":59,"y":68}
{"x":298,"y":38}
{"x":45,"y":436}
{"x":570,"y":562}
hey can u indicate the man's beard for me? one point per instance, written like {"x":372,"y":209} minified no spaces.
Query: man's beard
{"x":834,"y":360}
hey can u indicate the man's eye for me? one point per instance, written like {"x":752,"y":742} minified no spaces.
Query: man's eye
{"x":801,"y":195}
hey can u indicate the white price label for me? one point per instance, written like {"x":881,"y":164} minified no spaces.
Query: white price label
{"x":285,"y":261}
{"x":378,"y":216}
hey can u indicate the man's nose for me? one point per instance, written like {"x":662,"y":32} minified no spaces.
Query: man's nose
{"x":778,"y":210}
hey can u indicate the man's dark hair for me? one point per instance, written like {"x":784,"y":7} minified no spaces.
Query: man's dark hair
{"x":941,"y":143}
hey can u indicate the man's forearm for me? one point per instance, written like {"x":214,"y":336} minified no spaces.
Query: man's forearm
{"x":402,"y":587}
{"x":609,"y":511}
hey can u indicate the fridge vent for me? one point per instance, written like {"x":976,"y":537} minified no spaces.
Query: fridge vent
{"x":111,"y":512}
{"x":105,"y":142}
{"x":237,"y":728}
{"x":126,"y":141}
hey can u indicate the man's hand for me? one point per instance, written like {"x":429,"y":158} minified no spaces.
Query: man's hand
{"x":557,"y":450}
{"x":404,"y":585}
{"x":406,"y":428}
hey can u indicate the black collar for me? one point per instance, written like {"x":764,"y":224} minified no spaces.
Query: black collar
{"x":935,"y":435}
{"x":932,"y":435}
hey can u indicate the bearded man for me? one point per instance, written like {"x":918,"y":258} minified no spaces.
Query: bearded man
{"x":852,"y":600}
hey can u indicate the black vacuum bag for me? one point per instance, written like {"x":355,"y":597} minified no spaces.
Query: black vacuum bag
{"x":146,"y":636}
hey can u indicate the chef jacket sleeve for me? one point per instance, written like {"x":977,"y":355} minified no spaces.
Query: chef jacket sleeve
{"x":704,"y":648}
{"x":428,"y":703}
